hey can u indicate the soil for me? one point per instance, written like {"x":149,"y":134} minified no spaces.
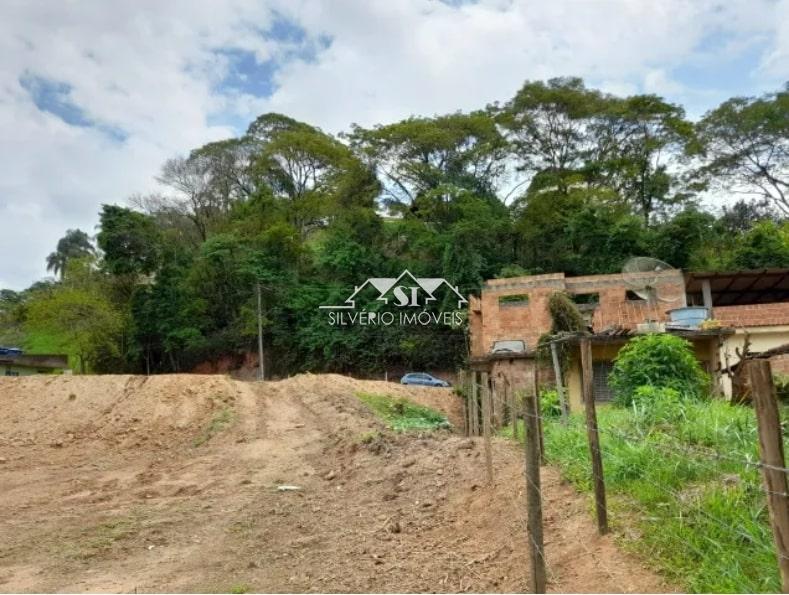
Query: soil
{"x":192,"y":483}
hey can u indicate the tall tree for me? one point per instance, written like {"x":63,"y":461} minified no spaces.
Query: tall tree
{"x":641,"y":142}
{"x":207,"y":183}
{"x":426,"y":161}
{"x":311,"y":173}
{"x":746,"y":147}
{"x":75,"y":244}
{"x":130,"y":241}
{"x":550,"y":128}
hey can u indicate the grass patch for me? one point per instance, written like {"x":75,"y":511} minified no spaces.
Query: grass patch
{"x":403,"y":415}
{"x":677,"y":478}
{"x":94,"y":541}
{"x":222,"y":419}
{"x":239,"y":588}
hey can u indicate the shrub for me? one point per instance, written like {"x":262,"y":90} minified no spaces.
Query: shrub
{"x":549,"y":403}
{"x":658,"y":360}
{"x":565,"y":316}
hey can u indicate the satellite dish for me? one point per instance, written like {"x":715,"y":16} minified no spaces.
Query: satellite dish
{"x":647,"y":279}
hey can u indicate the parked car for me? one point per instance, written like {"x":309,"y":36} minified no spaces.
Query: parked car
{"x":423,"y":379}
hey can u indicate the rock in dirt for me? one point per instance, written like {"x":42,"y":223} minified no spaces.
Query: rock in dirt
{"x":466,"y":445}
{"x":330,"y":475}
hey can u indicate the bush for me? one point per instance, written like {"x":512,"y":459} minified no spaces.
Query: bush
{"x":549,"y":403}
{"x":658,"y":360}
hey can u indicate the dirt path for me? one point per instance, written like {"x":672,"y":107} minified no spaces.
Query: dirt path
{"x":122,"y":483}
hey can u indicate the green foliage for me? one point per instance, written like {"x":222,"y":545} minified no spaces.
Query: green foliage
{"x":77,"y":319}
{"x":657,"y":360}
{"x":679,"y":490}
{"x":565,"y":316}
{"x":765,"y":245}
{"x":561,"y":178}
{"x":74,"y":245}
{"x":550,"y":406}
{"x":654,"y":405}
{"x":129,"y":240}
{"x":401,"y":414}
{"x":745,"y":144}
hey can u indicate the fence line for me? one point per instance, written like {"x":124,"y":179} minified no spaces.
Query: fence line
{"x":771,"y":463}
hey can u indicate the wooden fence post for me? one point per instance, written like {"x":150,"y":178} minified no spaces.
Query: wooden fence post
{"x":534,"y":492}
{"x":467,"y":392}
{"x":771,"y":454}
{"x":486,"y":415}
{"x":557,"y":371}
{"x":536,"y":393}
{"x":494,"y":406}
{"x":513,"y":410}
{"x":593,"y":437}
{"x":460,"y":385}
{"x":474,"y":404}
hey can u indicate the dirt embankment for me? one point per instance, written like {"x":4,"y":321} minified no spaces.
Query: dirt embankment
{"x":173,"y":483}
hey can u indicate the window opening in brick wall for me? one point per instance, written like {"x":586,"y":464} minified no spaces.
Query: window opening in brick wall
{"x":513,"y":301}
{"x":632,"y":296}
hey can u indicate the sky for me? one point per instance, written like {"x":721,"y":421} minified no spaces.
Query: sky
{"x":96,"y":95}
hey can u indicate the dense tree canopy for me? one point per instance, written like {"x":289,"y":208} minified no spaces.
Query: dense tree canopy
{"x":559,"y":178}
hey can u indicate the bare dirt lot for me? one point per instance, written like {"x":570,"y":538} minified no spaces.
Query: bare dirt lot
{"x":170,"y":483}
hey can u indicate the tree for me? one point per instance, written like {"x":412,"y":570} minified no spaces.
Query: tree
{"x":311,"y":173}
{"x":745,"y":144}
{"x":208,"y":182}
{"x":129,"y":241}
{"x":426,"y":161}
{"x":75,"y":244}
{"x":640,"y":141}
{"x":678,"y":239}
{"x":78,"y":317}
{"x":550,"y":128}
{"x":766,"y":245}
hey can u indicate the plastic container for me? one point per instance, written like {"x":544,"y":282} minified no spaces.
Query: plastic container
{"x":689,"y":316}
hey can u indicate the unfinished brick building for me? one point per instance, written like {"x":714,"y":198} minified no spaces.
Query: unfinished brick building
{"x":744,"y":303}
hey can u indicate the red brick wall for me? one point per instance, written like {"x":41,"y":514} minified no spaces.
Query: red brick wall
{"x":753,"y":315}
{"x":495,"y":322}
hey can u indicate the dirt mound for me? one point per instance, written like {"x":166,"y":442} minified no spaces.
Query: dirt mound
{"x":202,"y":483}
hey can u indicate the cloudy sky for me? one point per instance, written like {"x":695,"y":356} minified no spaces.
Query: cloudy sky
{"x":95,"y":95}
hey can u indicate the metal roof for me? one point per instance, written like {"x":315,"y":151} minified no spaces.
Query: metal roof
{"x":731,"y":288}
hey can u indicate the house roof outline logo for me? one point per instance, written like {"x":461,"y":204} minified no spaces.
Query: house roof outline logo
{"x":383,"y":285}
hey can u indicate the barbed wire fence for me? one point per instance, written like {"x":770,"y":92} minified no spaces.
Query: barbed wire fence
{"x":492,"y":405}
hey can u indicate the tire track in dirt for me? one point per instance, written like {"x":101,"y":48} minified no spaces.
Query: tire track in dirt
{"x":140,"y":494}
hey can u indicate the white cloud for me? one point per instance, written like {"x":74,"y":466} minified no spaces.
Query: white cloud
{"x":151,"y":69}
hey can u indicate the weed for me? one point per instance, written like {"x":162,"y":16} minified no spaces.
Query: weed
{"x":218,"y":423}
{"x":239,"y":588}
{"x":94,"y":541}
{"x":401,"y":414}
